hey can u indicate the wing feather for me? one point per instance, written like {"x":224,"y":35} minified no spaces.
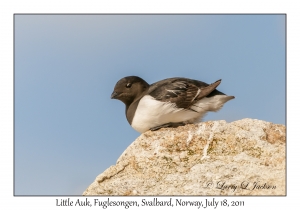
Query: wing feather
{"x":182,"y":92}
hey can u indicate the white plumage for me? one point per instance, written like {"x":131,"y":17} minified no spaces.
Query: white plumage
{"x":151,"y":113}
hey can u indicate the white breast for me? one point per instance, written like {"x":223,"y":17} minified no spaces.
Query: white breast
{"x":151,"y":113}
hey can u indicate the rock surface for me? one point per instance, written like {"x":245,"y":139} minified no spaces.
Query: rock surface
{"x":245,"y":157}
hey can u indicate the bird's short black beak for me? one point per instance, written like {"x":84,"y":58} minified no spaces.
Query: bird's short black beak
{"x":114,"y":95}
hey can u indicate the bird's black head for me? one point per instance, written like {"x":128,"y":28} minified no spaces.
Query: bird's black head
{"x":129,"y":88}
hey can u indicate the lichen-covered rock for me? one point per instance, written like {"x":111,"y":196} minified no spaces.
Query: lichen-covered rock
{"x":245,"y":157}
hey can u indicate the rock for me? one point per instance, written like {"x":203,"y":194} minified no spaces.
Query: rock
{"x":245,"y":157}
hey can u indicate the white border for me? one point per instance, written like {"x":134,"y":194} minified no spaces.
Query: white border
{"x":8,"y":8}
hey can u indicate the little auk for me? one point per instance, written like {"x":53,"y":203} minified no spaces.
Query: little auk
{"x":167,"y":103}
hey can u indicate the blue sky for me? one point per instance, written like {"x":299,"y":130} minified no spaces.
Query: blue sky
{"x":68,"y":130}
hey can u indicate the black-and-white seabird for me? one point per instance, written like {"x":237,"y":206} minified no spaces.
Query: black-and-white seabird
{"x":167,"y":103}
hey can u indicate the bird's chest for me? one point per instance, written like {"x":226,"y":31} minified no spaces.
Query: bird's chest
{"x":150,"y":113}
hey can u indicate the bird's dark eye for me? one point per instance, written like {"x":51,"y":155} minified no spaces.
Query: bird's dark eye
{"x":128,"y":85}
